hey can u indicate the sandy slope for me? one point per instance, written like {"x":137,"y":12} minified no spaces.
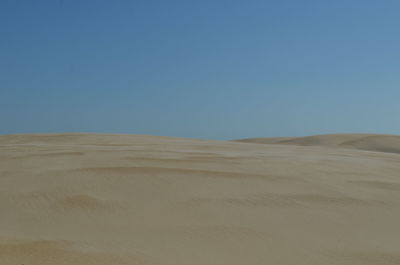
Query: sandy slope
{"x":118,"y":199}
{"x":369,"y":142}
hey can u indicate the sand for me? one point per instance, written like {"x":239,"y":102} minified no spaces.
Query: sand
{"x":369,"y":142}
{"x":131,"y":199}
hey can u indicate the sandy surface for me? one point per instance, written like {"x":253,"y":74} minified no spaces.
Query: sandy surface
{"x":368,"y":142}
{"x":117,"y":199}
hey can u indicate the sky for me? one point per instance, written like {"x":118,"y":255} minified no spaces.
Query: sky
{"x":214,"y":69}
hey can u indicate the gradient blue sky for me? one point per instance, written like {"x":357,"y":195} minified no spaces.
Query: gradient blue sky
{"x":208,"y":69}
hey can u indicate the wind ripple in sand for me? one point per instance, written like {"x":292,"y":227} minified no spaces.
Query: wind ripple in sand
{"x":165,"y":171}
{"x":289,"y":200}
{"x":57,"y":200}
{"x":46,"y":252}
{"x":375,"y":184}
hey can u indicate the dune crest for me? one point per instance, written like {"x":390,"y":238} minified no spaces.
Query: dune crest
{"x":367,"y":142}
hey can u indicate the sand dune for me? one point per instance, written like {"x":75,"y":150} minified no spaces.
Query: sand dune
{"x":92,"y":199}
{"x":368,"y":142}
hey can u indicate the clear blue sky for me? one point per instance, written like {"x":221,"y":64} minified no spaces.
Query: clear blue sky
{"x":208,"y":69}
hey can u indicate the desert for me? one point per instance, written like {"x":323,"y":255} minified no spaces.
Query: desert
{"x":99,"y":199}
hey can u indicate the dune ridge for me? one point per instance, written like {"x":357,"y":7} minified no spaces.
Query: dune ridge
{"x":367,"y":142}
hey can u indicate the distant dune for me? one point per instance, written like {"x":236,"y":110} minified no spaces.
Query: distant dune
{"x":368,"y":142}
{"x":94,"y":199}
